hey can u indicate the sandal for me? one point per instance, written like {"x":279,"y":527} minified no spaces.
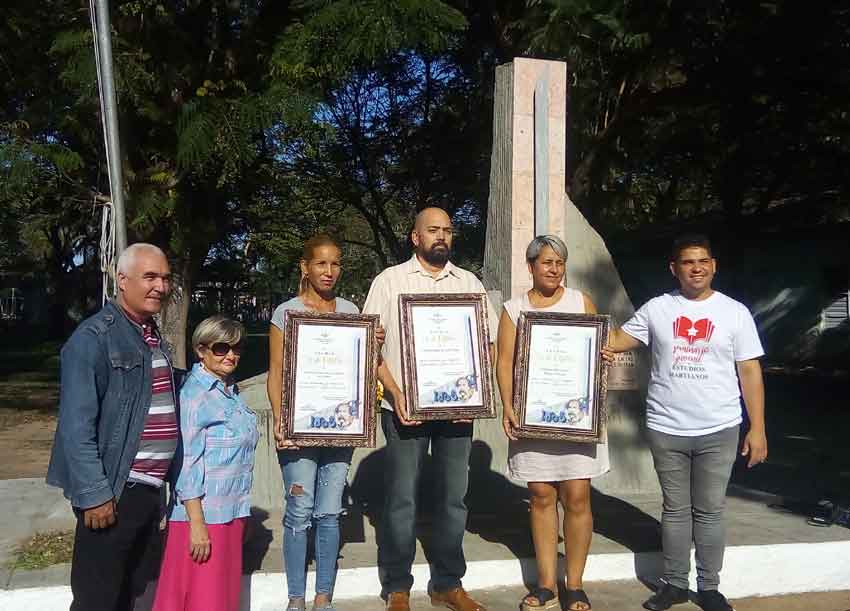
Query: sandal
{"x":546,"y":600}
{"x":577,"y":596}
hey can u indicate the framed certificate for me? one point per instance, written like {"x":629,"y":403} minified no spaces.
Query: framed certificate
{"x":445,"y":356}
{"x":560,"y":379}
{"x":330,"y":365}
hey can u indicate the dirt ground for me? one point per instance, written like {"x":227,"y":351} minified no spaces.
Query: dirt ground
{"x":29,"y":396}
{"x":25,"y":441}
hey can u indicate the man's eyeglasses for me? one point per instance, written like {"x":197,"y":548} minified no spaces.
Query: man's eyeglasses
{"x":222,"y":348}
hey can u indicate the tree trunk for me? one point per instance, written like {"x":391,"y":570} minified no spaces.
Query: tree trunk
{"x":174,"y":317}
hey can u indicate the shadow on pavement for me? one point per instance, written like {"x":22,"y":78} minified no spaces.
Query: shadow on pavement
{"x":808,"y":424}
{"x":498,"y":512}
{"x":258,"y":539}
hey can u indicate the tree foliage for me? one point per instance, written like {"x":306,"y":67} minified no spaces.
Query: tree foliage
{"x":249,"y":125}
{"x":685,"y":108}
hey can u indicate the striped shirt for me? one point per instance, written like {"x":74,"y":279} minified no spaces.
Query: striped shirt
{"x":219,"y":435}
{"x":411,"y":277}
{"x":158,"y":442}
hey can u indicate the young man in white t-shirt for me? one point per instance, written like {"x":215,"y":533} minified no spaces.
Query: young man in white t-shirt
{"x":705,"y":351}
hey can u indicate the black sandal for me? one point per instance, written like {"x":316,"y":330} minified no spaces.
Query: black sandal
{"x":577,"y":596}
{"x":545,"y":597}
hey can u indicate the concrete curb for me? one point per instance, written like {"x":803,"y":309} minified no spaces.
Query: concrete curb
{"x":757,"y":570}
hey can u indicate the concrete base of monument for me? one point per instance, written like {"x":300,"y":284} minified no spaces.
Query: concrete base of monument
{"x":770,"y":552}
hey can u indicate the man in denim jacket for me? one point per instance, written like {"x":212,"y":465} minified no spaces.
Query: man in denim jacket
{"x":117,"y":433}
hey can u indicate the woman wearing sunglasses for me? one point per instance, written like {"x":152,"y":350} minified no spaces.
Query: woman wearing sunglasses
{"x":314,"y":477}
{"x":202,"y":564}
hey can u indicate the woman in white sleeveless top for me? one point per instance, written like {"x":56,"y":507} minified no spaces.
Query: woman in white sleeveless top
{"x":554,"y":470}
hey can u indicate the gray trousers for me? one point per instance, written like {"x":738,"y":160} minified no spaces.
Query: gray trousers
{"x":694,"y":473}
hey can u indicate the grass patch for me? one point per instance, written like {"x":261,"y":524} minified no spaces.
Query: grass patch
{"x":29,"y":371}
{"x":34,"y":361}
{"x":43,"y":550}
{"x":28,"y":396}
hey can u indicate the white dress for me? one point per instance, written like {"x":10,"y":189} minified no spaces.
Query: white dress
{"x":547,"y":460}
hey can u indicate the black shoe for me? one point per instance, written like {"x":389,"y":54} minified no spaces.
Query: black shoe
{"x":712,"y":600}
{"x":665,"y":597}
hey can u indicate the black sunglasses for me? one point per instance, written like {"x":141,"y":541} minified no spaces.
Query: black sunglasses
{"x":222,"y":348}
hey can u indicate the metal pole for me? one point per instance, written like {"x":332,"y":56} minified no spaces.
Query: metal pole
{"x":110,"y":108}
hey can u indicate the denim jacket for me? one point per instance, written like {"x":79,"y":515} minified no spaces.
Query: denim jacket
{"x":104,"y":397}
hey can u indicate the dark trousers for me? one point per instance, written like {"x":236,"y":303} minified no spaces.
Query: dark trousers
{"x":109,"y":566}
{"x":406,"y":449}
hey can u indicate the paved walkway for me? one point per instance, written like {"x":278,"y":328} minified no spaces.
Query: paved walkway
{"x":622,"y":525}
{"x":605,"y":596}
{"x":628,"y":596}
{"x":629,"y":524}
{"x":626,"y":543}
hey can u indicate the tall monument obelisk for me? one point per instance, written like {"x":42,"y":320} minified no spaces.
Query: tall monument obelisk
{"x":528,"y":198}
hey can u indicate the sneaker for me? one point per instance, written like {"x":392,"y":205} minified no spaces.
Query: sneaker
{"x":712,"y":600}
{"x":665,"y":597}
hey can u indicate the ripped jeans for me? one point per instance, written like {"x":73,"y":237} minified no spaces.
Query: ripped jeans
{"x":313,"y":480}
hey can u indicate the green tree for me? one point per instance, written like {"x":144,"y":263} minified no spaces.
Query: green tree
{"x":47,"y":212}
{"x":680,"y":109}
{"x":202,"y":121}
{"x":376,"y":70}
{"x":248,"y":126}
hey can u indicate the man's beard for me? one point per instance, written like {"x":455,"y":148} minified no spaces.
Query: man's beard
{"x":437,"y":255}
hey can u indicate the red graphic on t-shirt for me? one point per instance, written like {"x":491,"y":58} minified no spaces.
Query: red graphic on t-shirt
{"x":692,"y":331}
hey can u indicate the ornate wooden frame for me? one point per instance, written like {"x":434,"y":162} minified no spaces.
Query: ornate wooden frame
{"x":293,"y":322}
{"x":601,"y":322}
{"x":406,"y":302}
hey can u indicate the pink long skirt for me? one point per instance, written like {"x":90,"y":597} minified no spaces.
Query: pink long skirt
{"x":185,"y":585}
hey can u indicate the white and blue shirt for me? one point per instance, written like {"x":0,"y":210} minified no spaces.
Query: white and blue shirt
{"x":219,"y":436}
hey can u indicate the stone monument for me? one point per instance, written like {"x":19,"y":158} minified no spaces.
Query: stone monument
{"x":528,"y":198}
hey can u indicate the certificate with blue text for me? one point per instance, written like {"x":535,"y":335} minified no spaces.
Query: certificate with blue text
{"x":330,"y":365}
{"x":446,"y":356}
{"x":560,"y":377}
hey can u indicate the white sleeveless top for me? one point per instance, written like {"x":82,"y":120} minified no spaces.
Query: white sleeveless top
{"x":571,"y":302}
{"x":547,"y":460}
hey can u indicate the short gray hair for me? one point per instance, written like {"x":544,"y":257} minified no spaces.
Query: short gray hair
{"x":217,"y":328}
{"x":541,"y":242}
{"x":128,"y":256}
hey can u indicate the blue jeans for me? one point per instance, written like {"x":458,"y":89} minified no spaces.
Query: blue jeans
{"x":313,"y":481}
